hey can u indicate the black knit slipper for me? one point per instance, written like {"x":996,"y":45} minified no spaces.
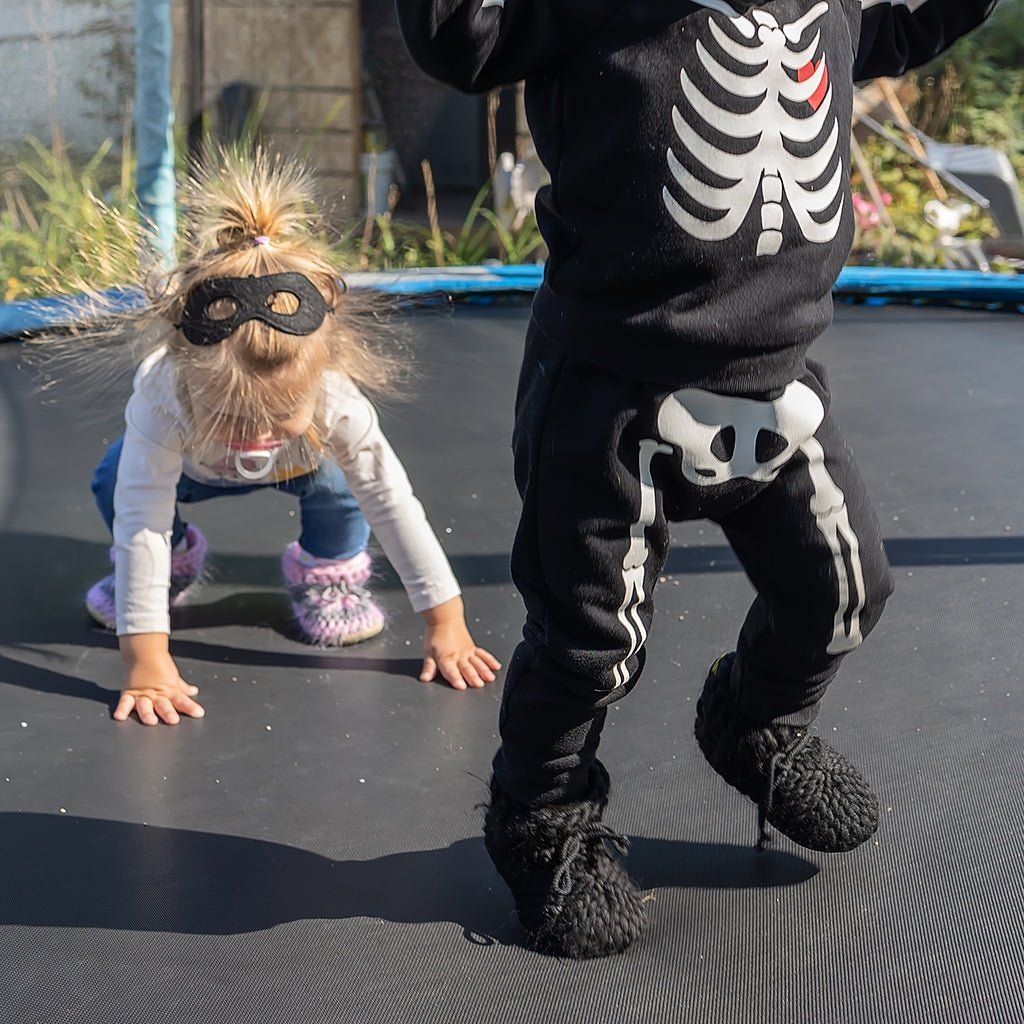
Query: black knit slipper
{"x":802,"y":786}
{"x":572,"y":894}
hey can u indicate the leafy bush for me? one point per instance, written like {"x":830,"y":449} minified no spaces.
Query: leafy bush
{"x":973,"y":94}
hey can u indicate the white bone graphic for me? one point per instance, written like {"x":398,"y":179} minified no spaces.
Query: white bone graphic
{"x":829,"y":507}
{"x":719,"y":438}
{"x":768,"y":131}
{"x":692,"y":419}
{"x":636,"y":557}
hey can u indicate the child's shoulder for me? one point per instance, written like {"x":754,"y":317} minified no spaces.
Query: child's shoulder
{"x":348,"y":413}
{"x":341,"y":394}
{"x":155,"y":380}
{"x":154,"y":368}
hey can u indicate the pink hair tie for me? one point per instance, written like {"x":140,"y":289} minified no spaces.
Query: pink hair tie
{"x":261,"y":240}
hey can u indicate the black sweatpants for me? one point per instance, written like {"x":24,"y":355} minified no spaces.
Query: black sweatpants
{"x":603,"y":464}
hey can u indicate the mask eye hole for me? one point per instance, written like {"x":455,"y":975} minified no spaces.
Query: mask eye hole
{"x":221,"y":309}
{"x":283,"y":302}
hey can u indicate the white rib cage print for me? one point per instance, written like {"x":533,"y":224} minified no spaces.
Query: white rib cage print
{"x":789,"y":77}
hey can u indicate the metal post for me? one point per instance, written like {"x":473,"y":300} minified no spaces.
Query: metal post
{"x":154,"y":124}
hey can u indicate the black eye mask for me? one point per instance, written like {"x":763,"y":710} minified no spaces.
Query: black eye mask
{"x":251,"y":296}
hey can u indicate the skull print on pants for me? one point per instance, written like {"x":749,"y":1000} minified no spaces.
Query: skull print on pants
{"x":721,"y":438}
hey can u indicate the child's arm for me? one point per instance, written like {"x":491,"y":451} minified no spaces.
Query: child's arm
{"x":144,"y":498}
{"x":897,"y":35}
{"x":476,"y":45}
{"x":381,"y":486}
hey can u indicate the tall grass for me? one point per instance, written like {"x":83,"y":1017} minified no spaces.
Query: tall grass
{"x":64,"y":220}
{"x":384,"y":243}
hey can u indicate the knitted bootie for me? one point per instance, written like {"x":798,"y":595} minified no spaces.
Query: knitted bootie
{"x":330,"y":604}
{"x":803,"y":787}
{"x":186,"y":569}
{"x":572,"y":894}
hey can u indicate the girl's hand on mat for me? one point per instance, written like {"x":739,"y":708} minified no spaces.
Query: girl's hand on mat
{"x":153,"y":688}
{"x":449,"y":649}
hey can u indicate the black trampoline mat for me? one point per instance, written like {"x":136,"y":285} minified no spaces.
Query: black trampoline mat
{"x":311,"y":851}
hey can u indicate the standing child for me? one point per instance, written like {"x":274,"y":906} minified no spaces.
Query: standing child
{"x":254,"y":380}
{"x":697,"y":218}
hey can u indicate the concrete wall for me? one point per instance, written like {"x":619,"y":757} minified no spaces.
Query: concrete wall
{"x":305,"y":55}
{"x":65,"y":62}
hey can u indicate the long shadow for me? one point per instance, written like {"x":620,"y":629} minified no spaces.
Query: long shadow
{"x":72,"y":872}
{"x":45,"y":606}
{"x":334,"y":662}
{"x":42,"y":605}
{"x":77,"y":562}
{"x":492,"y":569}
{"x":48,"y":680}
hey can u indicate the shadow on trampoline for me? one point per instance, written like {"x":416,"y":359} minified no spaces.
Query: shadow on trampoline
{"x":134,"y":877}
{"x":49,"y":608}
{"x":71,"y":564}
{"x":46,"y":680}
{"x":24,"y":553}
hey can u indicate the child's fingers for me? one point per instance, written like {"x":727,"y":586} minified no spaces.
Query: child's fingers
{"x":482,"y":668}
{"x":165,"y":711}
{"x":488,"y":659}
{"x":470,"y":673}
{"x":187,"y":706}
{"x":144,"y":709}
{"x":124,"y":707}
{"x":429,"y":671}
{"x":450,"y":670}
{"x":190,"y":689}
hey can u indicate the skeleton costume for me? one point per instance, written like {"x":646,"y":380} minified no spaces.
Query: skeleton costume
{"x":697,"y":218}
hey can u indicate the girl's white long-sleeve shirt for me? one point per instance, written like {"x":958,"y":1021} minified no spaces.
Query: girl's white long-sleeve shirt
{"x":153,"y":459}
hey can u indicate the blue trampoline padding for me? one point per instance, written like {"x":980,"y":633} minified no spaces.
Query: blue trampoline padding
{"x":37,"y":314}
{"x":876,"y":284}
{"x":917,"y":283}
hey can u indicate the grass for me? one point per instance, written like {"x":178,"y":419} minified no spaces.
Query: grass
{"x":67,"y":219}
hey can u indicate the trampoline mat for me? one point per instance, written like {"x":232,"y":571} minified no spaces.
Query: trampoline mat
{"x":311,"y":851}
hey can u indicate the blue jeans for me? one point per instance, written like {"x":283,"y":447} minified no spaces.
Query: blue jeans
{"x":332,"y":524}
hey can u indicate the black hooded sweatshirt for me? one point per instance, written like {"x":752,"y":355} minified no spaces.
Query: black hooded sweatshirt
{"x":699,"y":209}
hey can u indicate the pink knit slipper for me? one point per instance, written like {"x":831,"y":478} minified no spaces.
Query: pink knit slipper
{"x":186,"y":569}
{"x":332,"y":607}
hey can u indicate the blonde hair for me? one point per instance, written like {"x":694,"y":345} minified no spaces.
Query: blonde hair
{"x":257,"y":376}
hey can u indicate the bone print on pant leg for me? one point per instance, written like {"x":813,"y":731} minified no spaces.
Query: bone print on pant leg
{"x":635,"y":562}
{"x":583,"y":648}
{"x":812,"y":548}
{"x":717,"y":438}
{"x":723,"y":439}
{"x":732,"y":451}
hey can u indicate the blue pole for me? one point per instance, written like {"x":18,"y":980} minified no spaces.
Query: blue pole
{"x":154,"y":122}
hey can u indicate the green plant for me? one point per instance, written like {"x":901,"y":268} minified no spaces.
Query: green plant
{"x":56,"y":230}
{"x":384,"y":243}
{"x":974,"y":93}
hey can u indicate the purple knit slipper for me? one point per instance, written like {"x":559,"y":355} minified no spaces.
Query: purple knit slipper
{"x":186,"y":569}
{"x":331,"y":605}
